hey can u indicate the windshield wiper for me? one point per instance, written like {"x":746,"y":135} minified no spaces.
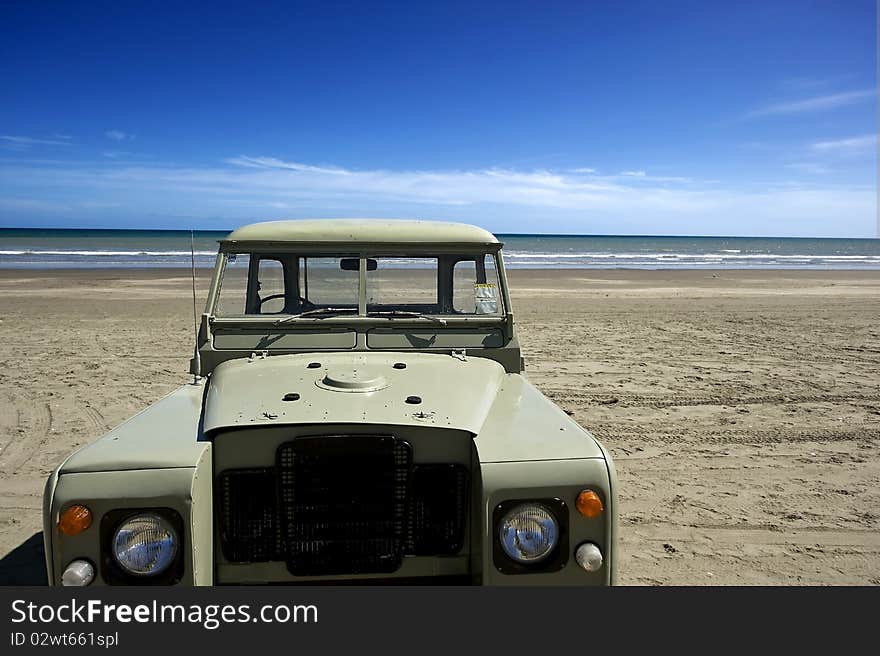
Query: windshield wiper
{"x":318,"y":313}
{"x":405,"y":313}
{"x":333,"y":311}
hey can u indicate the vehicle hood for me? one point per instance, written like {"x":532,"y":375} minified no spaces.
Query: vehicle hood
{"x":377,"y":388}
{"x":510,"y":418}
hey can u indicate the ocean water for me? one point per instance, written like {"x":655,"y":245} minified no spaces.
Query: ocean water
{"x":54,"y":249}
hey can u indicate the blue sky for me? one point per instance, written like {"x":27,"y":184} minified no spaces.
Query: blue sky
{"x":747,"y":118}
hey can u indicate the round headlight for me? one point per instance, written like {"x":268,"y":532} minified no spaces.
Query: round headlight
{"x":528,"y":533}
{"x":144,"y":545}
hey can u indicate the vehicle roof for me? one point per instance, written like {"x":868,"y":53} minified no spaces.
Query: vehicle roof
{"x":360,"y":231}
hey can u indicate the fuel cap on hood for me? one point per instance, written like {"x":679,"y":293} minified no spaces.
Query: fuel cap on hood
{"x":359,"y":379}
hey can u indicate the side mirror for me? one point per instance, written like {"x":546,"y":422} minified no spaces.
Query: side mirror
{"x":353,"y":264}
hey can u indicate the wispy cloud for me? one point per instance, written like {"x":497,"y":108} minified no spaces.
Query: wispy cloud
{"x":32,"y":205}
{"x":274,"y":163}
{"x":813,"y":168}
{"x":813,"y":83}
{"x":247,"y":187}
{"x":849,"y":146}
{"x":814,"y":104}
{"x":116,"y":154}
{"x":273,"y":180}
{"x":97,"y":204}
{"x":119,"y":135}
{"x":640,"y":176}
{"x":23,"y":143}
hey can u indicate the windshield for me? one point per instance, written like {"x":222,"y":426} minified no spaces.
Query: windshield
{"x":315,"y":286}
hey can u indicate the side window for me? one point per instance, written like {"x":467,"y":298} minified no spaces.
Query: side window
{"x":270,"y":287}
{"x":475,"y":287}
{"x":464,"y":276}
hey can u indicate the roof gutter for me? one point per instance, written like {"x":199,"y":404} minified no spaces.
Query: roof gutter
{"x":349,"y":247}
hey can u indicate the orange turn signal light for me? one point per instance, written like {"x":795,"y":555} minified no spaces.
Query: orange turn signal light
{"x":589,"y":504}
{"x":75,"y":520}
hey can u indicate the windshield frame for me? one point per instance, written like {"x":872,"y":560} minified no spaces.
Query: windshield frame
{"x":362,"y":254}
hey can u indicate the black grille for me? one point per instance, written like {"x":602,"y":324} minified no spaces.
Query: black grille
{"x":343,"y":503}
{"x":438,"y":504}
{"x":249,"y":515}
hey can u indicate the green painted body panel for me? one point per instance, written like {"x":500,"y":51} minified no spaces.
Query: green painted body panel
{"x":524,"y":425}
{"x":474,"y":395}
{"x":548,"y":479}
{"x":383,"y":338}
{"x":185,"y":490}
{"x":238,"y":339}
{"x":455,"y":393}
{"x":164,"y":435}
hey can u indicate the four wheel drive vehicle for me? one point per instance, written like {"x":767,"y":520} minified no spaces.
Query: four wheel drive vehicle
{"x":359,"y":414}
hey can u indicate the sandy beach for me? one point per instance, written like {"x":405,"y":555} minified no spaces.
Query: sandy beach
{"x":742,"y":408}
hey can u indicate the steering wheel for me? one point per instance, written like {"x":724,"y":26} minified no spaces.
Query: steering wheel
{"x":303,"y":303}
{"x":269,"y":298}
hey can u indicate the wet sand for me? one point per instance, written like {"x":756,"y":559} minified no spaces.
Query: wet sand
{"x":742,"y":407}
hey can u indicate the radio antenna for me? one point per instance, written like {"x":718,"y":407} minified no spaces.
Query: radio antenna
{"x":197,"y":361}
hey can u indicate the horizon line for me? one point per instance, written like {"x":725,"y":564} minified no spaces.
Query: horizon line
{"x":499,"y":234}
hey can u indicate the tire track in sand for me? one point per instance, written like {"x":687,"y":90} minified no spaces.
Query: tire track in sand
{"x":778,"y":435}
{"x":674,"y":400}
{"x":30,"y":435}
{"x":10,"y":422}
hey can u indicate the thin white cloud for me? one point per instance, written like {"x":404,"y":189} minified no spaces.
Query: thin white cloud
{"x":814,"y":104}
{"x":584,"y":169}
{"x":116,"y":154}
{"x":119,"y":135}
{"x":274,"y":163}
{"x":18,"y":142}
{"x":274,"y":180}
{"x":641,"y":176}
{"x":97,"y":204}
{"x":849,"y":146}
{"x":813,"y":83}
{"x":245,"y":188}
{"x":37,"y":205}
{"x":812,"y":168}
